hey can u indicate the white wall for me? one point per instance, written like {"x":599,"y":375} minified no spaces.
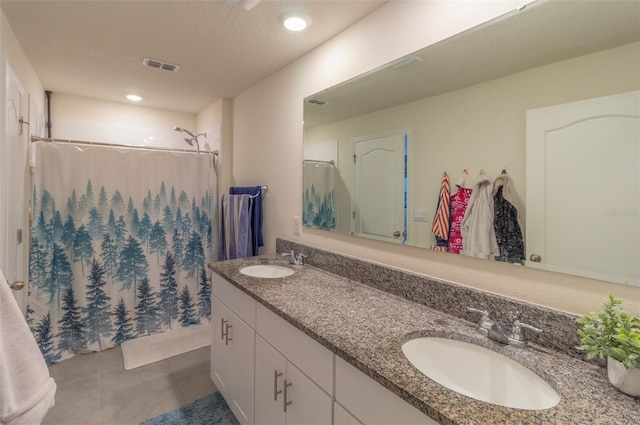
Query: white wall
{"x":12,"y":51}
{"x":268,"y":150}
{"x":80,"y":118}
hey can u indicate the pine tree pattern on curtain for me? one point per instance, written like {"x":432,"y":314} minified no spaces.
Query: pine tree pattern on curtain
{"x":119,"y":243}
{"x":318,"y":198}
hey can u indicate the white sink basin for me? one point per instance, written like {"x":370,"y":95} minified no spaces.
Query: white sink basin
{"x":480,"y":373}
{"x":267,"y":271}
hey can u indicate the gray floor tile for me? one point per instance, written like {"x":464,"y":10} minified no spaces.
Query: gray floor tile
{"x":94,"y":389}
{"x":78,"y":367}
{"x":130,"y":401}
{"x":111,"y":360}
{"x":77,"y":402}
{"x":193,"y":363}
{"x":196,"y":387}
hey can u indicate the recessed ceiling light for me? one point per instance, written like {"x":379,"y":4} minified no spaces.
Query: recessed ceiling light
{"x":294,"y":22}
{"x":134,"y":97}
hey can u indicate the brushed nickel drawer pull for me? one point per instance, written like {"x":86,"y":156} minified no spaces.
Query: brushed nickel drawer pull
{"x":276,"y":375}
{"x":286,"y":403}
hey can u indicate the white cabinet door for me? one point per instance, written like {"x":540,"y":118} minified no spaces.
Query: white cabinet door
{"x":232,"y":368}
{"x":307,"y":354}
{"x":307,"y":403}
{"x":270,"y":375}
{"x":342,"y":417}
{"x":221,"y":373}
{"x":284,"y":395}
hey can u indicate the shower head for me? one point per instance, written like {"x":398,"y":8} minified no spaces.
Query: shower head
{"x":193,"y":138}
{"x":184,"y":131}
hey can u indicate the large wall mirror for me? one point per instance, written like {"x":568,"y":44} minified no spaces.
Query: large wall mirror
{"x":542,"y":103}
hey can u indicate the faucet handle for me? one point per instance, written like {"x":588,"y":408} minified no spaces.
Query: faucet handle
{"x":485,"y":322}
{"x":517,"y":337}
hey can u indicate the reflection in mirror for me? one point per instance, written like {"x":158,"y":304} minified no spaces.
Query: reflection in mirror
{"x":472,"y":108}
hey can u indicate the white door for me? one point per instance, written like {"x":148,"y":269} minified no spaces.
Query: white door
{"x":583,"y":188}
{"x":379,"y":187}
{"x":13,"y":168}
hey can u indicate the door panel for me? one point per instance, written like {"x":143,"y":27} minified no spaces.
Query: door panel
{"x":599,"y":141}
{"x":13,"y":181}
{"x":379,"y":191}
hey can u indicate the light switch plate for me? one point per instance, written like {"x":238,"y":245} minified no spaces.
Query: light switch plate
{"x":420,"y":214}
{"x":297,"y":225}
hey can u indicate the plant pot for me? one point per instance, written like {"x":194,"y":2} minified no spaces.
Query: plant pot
{"x":626,"y":380}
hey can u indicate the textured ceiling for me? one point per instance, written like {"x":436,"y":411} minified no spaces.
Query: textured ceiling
{"x":95,"y":48}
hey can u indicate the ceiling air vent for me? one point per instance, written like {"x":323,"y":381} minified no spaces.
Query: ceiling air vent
{"x":153,"y":63}
{"x":317,"y":101}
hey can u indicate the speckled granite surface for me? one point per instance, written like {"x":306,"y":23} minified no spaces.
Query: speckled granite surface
{"x":559,"y":328}
{"x":366,"y":327}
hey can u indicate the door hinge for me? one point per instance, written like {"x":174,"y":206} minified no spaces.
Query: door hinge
{"x":19,"y":236}
{"x":22,"y":121}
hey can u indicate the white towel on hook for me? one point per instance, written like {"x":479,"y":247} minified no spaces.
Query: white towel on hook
{"x":27,"y":391}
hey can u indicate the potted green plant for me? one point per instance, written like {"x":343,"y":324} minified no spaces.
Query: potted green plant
{"x":614,"y":334}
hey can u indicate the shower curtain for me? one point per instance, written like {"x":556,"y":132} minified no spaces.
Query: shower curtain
{"x":119,"y":242}
{"x":319,"y":202}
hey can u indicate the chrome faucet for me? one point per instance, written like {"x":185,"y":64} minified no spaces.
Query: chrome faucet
{"x":492,"y":329}
{"x":297,"y":260}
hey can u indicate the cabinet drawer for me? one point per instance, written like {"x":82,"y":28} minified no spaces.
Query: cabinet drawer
{"x":309,"y":356}
{"x":370,"y":402}
{"x":240,"y":303}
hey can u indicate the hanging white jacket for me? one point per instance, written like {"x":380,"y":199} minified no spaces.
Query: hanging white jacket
{"x":478,"y":233}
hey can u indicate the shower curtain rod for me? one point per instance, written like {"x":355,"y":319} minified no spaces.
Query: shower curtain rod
{"x":115,"y":145}
{"x":332,"y":162}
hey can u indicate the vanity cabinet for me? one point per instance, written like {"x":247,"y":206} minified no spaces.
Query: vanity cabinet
{"x":270,"y":372}
{"x":369,"y":402}
{"x":233,"y":347}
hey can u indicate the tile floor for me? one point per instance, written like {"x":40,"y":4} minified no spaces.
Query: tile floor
{"x":94,"y":389}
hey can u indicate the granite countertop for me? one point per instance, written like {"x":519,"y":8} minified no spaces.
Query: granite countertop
{"x":367,"y":327}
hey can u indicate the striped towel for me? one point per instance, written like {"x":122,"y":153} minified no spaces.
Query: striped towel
{"x":441,"y":221}
{"x":235,"y":233}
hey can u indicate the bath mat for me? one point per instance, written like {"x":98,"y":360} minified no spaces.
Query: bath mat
{"x":153,"y":348}
{"x":210,"y":410}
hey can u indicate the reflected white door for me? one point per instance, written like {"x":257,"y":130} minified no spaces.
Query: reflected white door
{"x":379,"y":188}
{"x":583,"y":187}
{"x":12,"y":180}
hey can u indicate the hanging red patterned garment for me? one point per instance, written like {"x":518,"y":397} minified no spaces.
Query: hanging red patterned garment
{"x":459,"y":203}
